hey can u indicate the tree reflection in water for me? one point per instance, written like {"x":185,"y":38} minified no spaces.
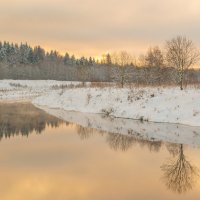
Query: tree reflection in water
{"x":124,"y":142}
{"x":23,"y":119}
{"x":179,"y":174}
{"x":173,"y":149}
{"x":120,"y":142}
{"x":84,"y":133}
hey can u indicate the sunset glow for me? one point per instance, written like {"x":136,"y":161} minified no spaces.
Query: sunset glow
{"x":93,"y":27}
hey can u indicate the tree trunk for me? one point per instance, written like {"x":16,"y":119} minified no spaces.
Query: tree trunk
{"x":181,"y":84}
{"x":181,"y":78}
{"x":122,"y":83}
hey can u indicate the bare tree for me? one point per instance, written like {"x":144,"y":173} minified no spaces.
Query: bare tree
{"x":121,"y":72}
{"x":154,"y":57}
{"x":141,"y":60}
{"x":151,"y":67}
{"x":181,"y":54}
{"x":179,"y":175}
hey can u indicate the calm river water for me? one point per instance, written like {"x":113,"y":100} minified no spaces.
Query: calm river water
{"x":45,"y":158}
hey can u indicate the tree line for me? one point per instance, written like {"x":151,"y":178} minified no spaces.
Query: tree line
{"x":14,"y":54}
{"x":168,"y":66}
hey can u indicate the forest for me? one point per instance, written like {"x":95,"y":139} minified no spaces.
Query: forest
{"x":21,"y":61}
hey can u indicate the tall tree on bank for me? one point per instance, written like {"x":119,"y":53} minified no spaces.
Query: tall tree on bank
{"x":154,"y":57}
{"x":154,"y":63}
{"x":181,"y":54}
{"x":121,"y":71}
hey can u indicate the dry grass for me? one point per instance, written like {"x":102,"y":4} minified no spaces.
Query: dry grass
{"x":18,"y":85}
{"x":118,"y":85}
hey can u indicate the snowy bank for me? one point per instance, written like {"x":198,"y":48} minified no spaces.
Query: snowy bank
{"x":149,"y":131}
{"x":148,"y":104}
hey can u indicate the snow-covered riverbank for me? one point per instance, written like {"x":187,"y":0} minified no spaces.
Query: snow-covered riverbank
{"x":158,"y":105}
{"x":146,"y":131}
{"x":151,"y":104}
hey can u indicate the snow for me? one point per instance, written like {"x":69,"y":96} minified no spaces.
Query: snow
{"x":168,"y":104}
{"x":14,"y":90}
{"x":158,"y":105}
{"x":168,"y":132}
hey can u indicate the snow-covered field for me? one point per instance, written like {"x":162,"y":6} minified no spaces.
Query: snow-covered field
{"x":17,"y":90}
{"x":150,"y":104}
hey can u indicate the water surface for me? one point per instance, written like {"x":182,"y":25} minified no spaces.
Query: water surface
{"x":46,"y":158}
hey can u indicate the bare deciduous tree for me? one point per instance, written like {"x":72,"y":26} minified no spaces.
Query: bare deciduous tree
{"x":154,"y":57}
{"x":121,"y":73}
{"x":141,"y":61}
{"x":152,"y":66}
{"x":181,"y":54}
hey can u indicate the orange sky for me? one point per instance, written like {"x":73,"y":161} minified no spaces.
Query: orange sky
{"x":93,"y":27}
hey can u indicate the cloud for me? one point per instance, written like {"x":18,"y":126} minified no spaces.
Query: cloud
{"x":99,"y":24}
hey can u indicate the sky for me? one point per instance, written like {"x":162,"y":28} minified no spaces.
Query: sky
{"x":93,"y":27}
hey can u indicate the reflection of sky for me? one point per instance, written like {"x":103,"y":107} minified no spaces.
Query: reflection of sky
{"x":58,"y":165}
{"x":92,"y":27}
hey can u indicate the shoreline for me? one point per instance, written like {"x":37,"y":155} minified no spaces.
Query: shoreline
{"x":159,"y":105}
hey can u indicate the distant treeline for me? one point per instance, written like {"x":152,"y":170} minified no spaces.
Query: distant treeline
{"x":26,"y":62}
